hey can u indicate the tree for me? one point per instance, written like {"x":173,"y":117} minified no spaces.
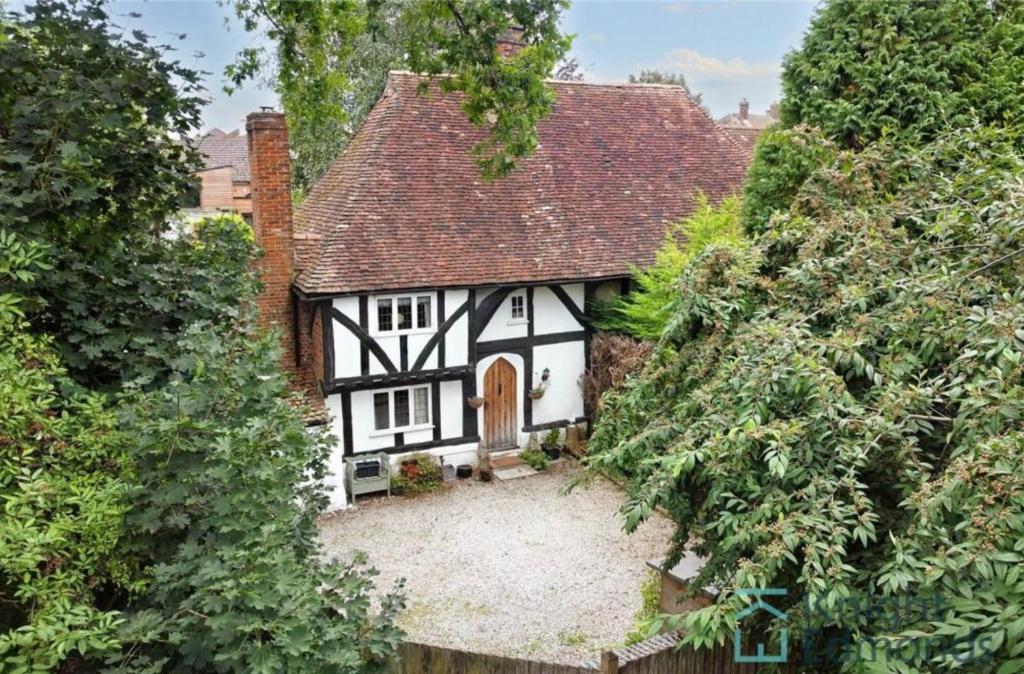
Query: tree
{"x":645,"y":312}
{"x":838,"y":410}
{"x":159,"y":505}
{"x":320,"y":46}
{"x":224,"y":524}
{"x":914,"y":69}
{"x":64,"y":490}
{"x":876,"y":69}
{"x":568,"y":70}
{"x":654,"y":76}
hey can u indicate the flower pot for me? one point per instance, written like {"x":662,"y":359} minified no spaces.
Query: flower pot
{"x":536,"y":395}
{"x":552,"y":452}
{"x":476,"y":402}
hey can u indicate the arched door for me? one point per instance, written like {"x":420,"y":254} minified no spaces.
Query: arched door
{"x":500,"y":397}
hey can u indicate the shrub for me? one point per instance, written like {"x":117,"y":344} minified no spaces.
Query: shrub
{"x":536,"y":459}
{"x":839,"y":410}
{"x":419,"y":474}
{"x":644,"y":312}
{"x":613,"y":357}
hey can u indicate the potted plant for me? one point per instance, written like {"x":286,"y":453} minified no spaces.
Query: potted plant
{"x":537,"y":392}
{"x":551,"y":444}
{"x":476,"y":402}
{"x":484,"y":471}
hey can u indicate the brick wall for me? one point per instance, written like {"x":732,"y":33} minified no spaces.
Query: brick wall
{"x":270,"y":167}
{"x":216,"y":190}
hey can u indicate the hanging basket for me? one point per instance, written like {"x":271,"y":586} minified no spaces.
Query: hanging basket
{"x":476,"y":402}
{"x":537,"y":394}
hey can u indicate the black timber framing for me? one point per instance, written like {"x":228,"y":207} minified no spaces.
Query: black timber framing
{"x":417,"y":446}
{"x":327,"y":328}
{"x":516,"y":344}
{"x":364,"y":323}
{"x":398,"y":379}
{"x":570,"y":305}
{"x":561,"y":423}
{"x":440,"y":322}
{"x":437,"y":339}
{"x":364,"y":340}
{"x":435,"y":408}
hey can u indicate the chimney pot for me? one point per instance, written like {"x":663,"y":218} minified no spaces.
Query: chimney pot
{"x":744,"y":109}
{"x":511,"y":41}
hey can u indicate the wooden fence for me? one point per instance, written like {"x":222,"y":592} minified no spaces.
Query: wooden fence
{"x":658,"y":655}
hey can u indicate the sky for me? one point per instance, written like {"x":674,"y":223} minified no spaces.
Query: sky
{"x":726,"y":49}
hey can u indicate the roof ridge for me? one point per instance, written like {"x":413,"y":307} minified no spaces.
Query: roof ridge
{"x":551,"y":80}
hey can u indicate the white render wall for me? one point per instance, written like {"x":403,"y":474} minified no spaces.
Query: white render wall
{"x":564,"y":397}
{"x":563,"y":400}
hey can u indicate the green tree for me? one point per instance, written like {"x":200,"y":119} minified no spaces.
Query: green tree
{"x":654,"y":76}
{"x":224,"y":521}
{"x":838,"y":410}
{"x":64,"y":490}
{"x":871,"y":69}
{"x":331,"y":60}
{"x":645,"y":312}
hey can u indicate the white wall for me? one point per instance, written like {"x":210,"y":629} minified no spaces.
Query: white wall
{"x":501,"y":325}
{"x":550,"y":315}
{"x":564,"y":397}
{"x":335,"y":479}
{"x":346,"y":345}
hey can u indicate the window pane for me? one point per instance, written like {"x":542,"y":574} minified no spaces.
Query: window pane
{"x":517,"y":306}
{"x":404,"y":313}
{"x":381,"y":417}
{"x":384,"y":323}
{"x":423,"y":312}
{"x":420,"y":404}
{"x":401,"y":407}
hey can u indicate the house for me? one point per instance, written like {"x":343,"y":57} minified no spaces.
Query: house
{"x":745,"y":128}
{"x":406,"y":287}
{"x":224,"y":179}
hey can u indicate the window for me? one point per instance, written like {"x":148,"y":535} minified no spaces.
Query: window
{"x":518,"y":301}
{"x":395,"y":314}
{"x":384,"y":315}
{"x":401,"y":408}
{"x":423,"y":311}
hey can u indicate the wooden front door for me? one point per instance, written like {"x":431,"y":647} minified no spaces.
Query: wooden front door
{"x":500,"y":397}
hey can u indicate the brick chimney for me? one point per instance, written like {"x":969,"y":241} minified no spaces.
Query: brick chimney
{"x":270,"y":170}
{"x":773,"y":110}
{"x":744,"y":109}
{"x":511,"y":41}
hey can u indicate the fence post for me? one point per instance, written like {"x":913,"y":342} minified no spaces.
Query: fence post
{"x":609,"y":662}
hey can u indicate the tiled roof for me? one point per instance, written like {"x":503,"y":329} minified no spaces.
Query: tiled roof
{"x":746,"y":137}
{"x":752,"y":121}
{"x":226,"y":149}
{"x":404,"y":206}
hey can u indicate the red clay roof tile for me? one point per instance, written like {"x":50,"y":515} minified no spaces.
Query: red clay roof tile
{"x":404,"y":206}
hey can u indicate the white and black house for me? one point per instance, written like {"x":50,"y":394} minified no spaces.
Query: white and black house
{"x":408,"y":288}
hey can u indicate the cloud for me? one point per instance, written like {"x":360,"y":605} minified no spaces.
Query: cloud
{"x":698,"y":66}
{"x":596,"y":37}
{"x":723,"y":82}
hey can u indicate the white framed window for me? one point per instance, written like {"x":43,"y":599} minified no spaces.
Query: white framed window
{"x":517,"y":307}
{"x":401,"y":409}
{"x":404,"y":313}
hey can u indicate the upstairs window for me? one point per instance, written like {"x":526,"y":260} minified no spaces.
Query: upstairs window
{"x":401,"y":409}
{"x":404,"y":313}
{"x":518,"y":307}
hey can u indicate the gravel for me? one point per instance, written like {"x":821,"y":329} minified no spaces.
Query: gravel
{"x":511,"y":568}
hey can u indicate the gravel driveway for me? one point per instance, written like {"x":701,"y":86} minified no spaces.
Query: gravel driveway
{"x":510,"y":568}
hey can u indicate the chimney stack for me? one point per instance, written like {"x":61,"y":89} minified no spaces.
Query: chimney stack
{"x":271,"y":171}
{"x":744,"y":109}
{"x":773,"y":110}
{"x":511,"y":41}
